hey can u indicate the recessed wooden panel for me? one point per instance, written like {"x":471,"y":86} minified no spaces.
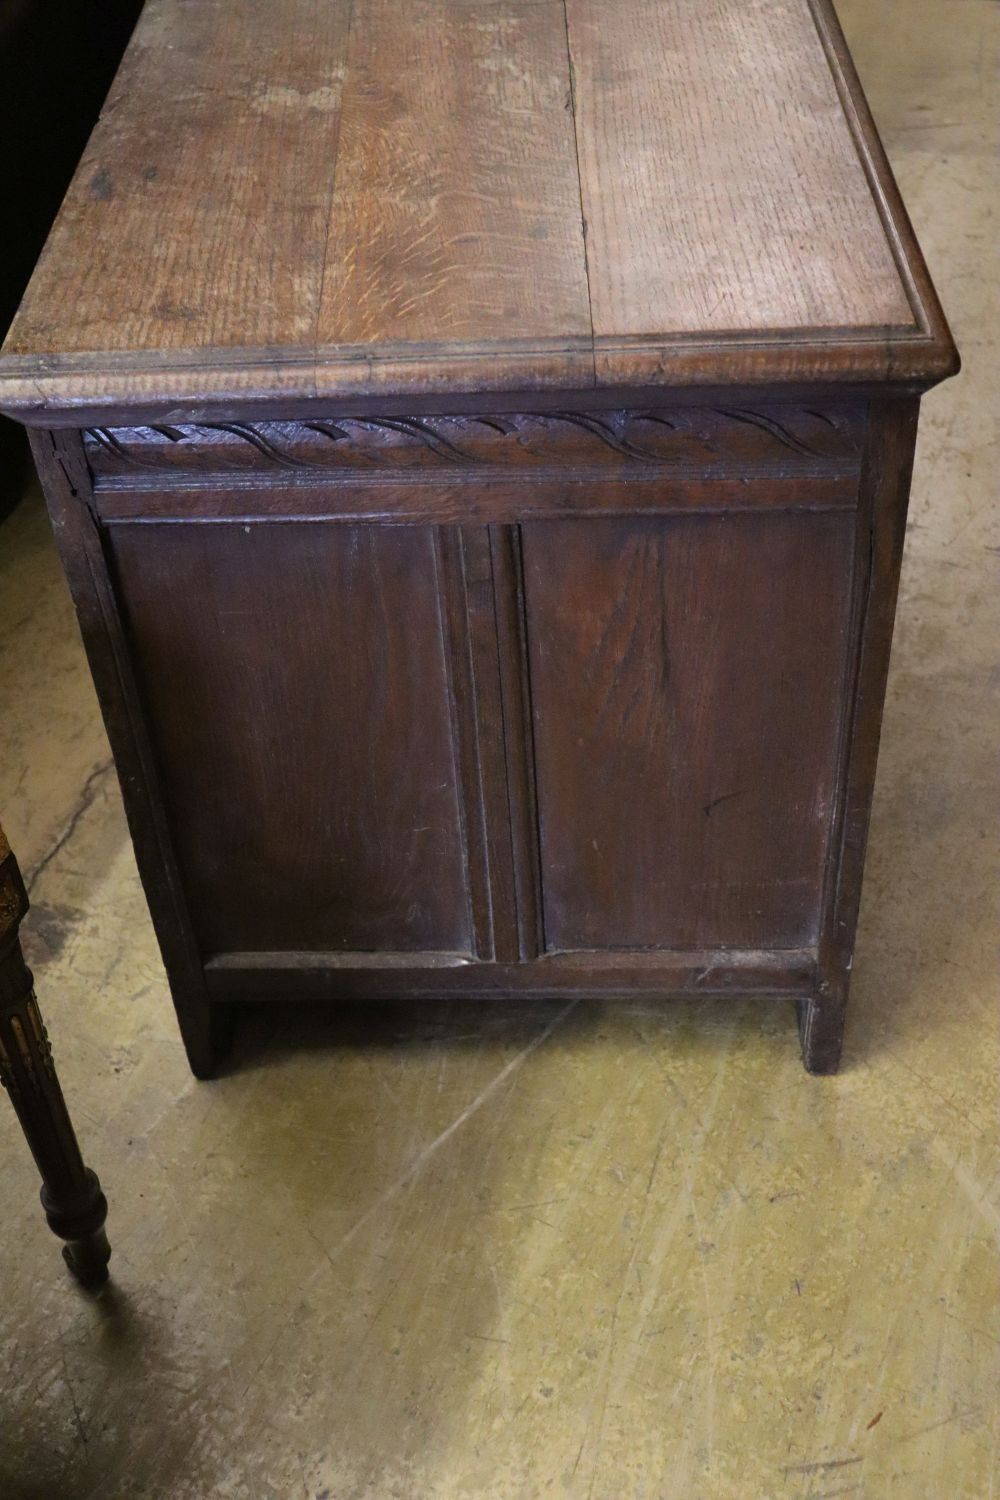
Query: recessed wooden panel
{"x":298,"y":696}
{"x":687,"y":681}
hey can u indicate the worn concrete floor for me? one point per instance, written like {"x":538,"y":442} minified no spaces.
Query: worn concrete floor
{"x":601,"y":1253}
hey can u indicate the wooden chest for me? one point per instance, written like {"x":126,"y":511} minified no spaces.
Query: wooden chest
{"x":478,"y":435}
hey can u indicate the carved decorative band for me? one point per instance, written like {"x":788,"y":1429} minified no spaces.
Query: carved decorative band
{"x":12,"y":902}
{"x":40,"y":1037}
{"x":700,"y":439}
{"x":31,"y":1049}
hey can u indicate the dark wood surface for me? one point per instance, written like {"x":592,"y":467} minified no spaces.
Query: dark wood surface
{"x":516,"y":620}
{"x":302,"y":668}
{"x":74,"y":1204}
{"x":686,"y":768}
{"x":550,"y":703}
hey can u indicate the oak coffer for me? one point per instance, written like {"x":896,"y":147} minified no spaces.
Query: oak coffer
{"x":478,"y":436}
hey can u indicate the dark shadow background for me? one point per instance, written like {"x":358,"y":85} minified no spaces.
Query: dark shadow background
{"x":57,"y":60}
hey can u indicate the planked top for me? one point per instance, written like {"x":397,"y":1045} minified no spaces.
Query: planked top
{"x":288,"y":199}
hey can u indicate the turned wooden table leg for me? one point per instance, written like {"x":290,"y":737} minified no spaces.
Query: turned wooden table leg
{"x":71,"y":1194}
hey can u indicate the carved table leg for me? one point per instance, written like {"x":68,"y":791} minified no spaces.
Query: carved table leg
{"x":71,"y":1194}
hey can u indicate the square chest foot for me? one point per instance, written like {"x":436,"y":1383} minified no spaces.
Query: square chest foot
{"x":821,"y":1028}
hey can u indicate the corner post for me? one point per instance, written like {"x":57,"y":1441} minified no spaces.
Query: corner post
{"x":67,"y":483}
{"x":887,"y":468}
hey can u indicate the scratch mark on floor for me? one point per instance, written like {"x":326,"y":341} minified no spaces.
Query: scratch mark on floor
{"x":435,"y":1145}
{"x":77,"y":1418}
{"x":604,"y":1372}
{"x":710,"y":1340}
{"x":956,"y":1416}
{"x":974,"y":1190}
{"x":927,"y":1084}
{"x":980,"y":1333}
{"x":699,"y":1121}
{"x":520,"y":1208}
{"x":666,"y":1233}
{"x":821,"y":1464}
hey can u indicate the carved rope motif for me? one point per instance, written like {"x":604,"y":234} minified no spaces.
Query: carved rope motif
{"x":704,"y":437}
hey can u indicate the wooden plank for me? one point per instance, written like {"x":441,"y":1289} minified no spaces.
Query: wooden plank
{"x":352,"y":976}
{"x":472,"y":502}
{"x":721,"y":185}
{"x":515,"y":692}
{"x":456,"y":216}
{"x":468,"y":602}
{"x":197,"y":218}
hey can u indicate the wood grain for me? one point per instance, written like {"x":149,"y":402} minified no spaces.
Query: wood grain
{"x":346,"y":976}
{"x":370,"y":748}
{"x":441,"y":649}
{"x":467,"y":501}
{"x":299,"y":707}
{"x":721,"y":186}
{"x":65,"y":479}
{"x":301,"y":201}
{"x":685,"y":686}
{"x":456,"y":214}
{"x":469,"y":604}
{"x":197,"y":219}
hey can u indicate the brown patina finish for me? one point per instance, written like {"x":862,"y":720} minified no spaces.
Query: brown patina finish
{"x":478,"y":437}
{"x":71,"y":1194}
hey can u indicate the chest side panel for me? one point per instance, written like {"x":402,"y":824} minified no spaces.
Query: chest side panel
{"x":297,"y":687}
{"x":687,"y":679}
{"x":501,"y":687}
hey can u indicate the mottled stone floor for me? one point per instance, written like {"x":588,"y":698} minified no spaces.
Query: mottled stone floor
{"x":590,"y":1252}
